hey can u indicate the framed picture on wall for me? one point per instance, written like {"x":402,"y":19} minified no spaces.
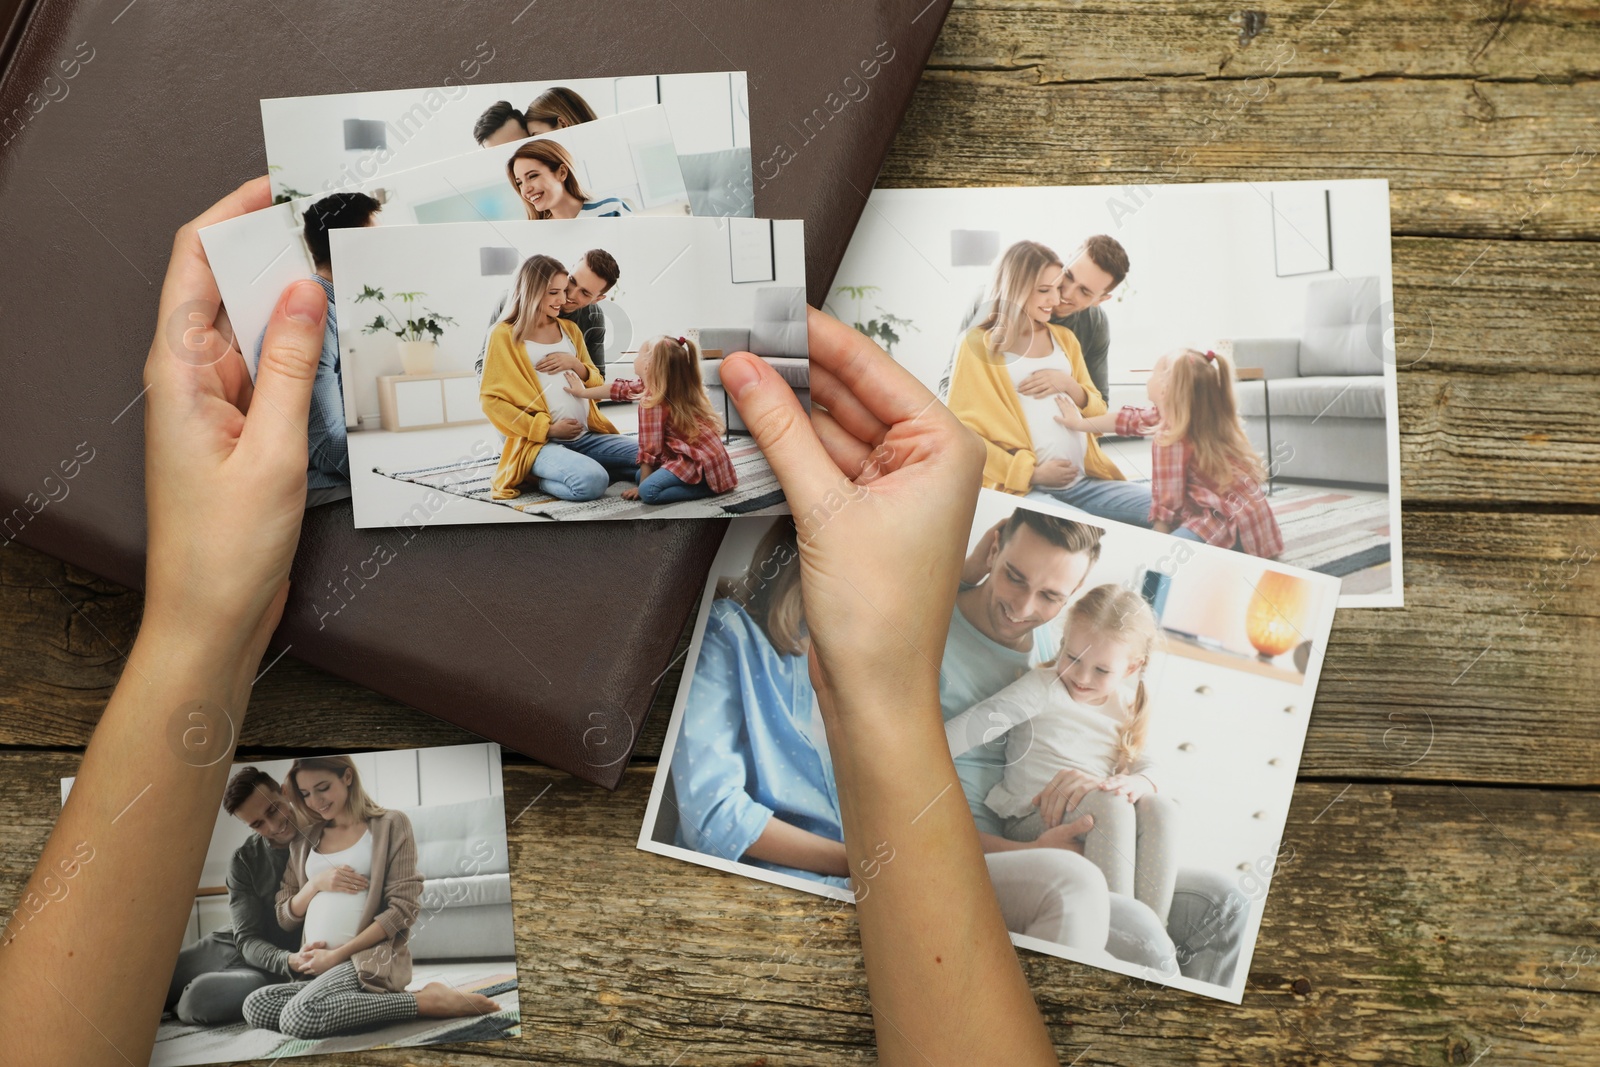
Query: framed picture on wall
{"x":1301,"y":231}
{"x":750,"y":241}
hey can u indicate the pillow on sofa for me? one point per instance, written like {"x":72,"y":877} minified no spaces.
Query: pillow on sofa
{"x":779,"y":328}
{"x":1345,"y":331}
{"x":727,"y":339}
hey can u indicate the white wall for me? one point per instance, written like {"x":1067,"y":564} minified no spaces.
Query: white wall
{"x":1201,"y":260}
{"x":305,"y":135}
{"x":676,"y":276}
{"x":255,"y":256}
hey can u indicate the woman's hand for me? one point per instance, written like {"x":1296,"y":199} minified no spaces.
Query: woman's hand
{"x":1047,"y":382}
{"x":882,"y":480}
{"x":1055,"y":474}
{"x":1071,"y":415}
{"x":1135,"y":787}
{"x":553,"y":362}
{"x":298,"y":960}
{"x":340,"y":879}
{"x":225,"y":459}
{"x":564,"y":430}
{"x":1064,"y":793}
{"x":315,"y":961}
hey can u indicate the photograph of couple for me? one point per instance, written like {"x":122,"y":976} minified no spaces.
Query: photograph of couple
{"x":1125,"y":712}
{"x":322,"y":144}
{"x":573,"y":375}
{"x":1216,"y":362}
{"x":349,"y":902}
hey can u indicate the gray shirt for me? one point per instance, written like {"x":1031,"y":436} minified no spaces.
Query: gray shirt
{"x":1089,"y":326}
{"x":254,"y":875}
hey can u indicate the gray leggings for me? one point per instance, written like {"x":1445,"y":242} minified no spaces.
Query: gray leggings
{"x":331,"y":1003}
{"x":1132,"y":844}
{"x":210,"y":982}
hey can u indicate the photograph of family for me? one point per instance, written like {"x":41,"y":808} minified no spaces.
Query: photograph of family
{"x":563,"y":369}
{"x":1125,"y":710}
{"x":348,"y":902}
{"x":323,"y":144}
{"x":1213,"y":361}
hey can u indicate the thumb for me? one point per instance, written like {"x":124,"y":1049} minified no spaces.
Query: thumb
{"x":1080,"y":826}
{"x":288,"y":367}
{"x":781,"y":428}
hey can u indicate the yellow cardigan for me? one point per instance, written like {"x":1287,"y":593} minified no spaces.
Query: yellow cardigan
{"x":982,"y":397}
{"x":514,"y":402}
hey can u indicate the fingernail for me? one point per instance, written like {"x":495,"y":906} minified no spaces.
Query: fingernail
{"x":739,"y":374}
{"x":306,"y":302}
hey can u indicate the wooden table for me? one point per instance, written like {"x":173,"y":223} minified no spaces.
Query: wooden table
{"x":1443,"y":902}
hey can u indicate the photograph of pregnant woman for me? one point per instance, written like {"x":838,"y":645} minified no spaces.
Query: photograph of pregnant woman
{"x":337,"y":912}
{"x":1125,"y":712}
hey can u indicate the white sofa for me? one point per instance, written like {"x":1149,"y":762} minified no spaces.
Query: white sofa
{"x":1326,"y":387}
{"x":466,"y":889}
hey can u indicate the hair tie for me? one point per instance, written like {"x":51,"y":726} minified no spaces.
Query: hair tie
{"x":1211,"y":357}
{"x":684,"y":341}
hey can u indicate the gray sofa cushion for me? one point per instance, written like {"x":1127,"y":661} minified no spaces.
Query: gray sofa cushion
{"x":779,"y":328}
{"x":727,"y":339}
{"x":1358,"y":397}
{"x":1344,"y":332}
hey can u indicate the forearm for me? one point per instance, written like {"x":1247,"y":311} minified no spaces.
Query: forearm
{"x":149,"y":785}
{"x":790,"y":846}
{"x":935,"y":945}
{"x":374,"y":934}
{"x":302,"y":900}
{"x":996,"y":843}
{"x":1106,"y":423}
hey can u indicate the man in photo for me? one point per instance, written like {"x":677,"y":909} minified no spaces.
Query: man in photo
{"x":215,"y":974}
{"x":1097,"y":268}
{"x":327,"y":451}
{"x":592,"y":277}
{"x":499,"y":124}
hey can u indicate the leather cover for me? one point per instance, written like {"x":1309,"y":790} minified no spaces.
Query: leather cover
{"x":492,"y":627}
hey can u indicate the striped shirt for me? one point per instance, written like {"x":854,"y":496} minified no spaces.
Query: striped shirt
{"x":609,"y":207}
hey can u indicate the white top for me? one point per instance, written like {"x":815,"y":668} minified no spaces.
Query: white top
{"x":1048,"y":732}
{"x":1051,"y":440}
{"x":562,"y":404}
{"x":335,"y":917}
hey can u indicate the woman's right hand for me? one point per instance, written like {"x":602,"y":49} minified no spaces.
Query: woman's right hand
{"x":564,"y":429}
{"x":882,"y":484}
{"x":1054,"y":473}
{"x":1064,"y":793}
{"x":340,"y":879}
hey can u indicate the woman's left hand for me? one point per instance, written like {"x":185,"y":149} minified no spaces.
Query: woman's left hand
{"x":1134,"y":787}
{"x":1071,"y":416}
{"x":225,"y":458}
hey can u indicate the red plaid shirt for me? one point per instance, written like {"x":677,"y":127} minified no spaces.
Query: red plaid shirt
{"x":1182,"y":496}
{"x":663,"y":448}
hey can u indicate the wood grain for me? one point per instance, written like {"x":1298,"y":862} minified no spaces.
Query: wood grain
{"x":1367,"y":953}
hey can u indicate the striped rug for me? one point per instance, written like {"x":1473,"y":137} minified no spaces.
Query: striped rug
{"x":1332,"y":531}
{"x":756,"y":494}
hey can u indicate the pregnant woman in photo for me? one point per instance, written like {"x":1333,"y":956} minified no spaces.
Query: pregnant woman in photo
{"x":561,"y":440}
{"x":1009,"y":372}
{"x":351,"y":883}
{"x":545,"y":178}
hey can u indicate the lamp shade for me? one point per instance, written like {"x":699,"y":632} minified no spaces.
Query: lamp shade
{"x":1277,"y":613}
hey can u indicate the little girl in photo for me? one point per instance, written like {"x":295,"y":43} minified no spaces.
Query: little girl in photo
{"x":1205,"y":478}
{"x":1073,"y":714}
{"x":681,"y":455}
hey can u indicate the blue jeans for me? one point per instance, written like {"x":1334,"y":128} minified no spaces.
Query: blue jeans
{"x":664,"y":487}
{"x":1183,"y":533}
{"x":580,"y":469}
{"x":1126,"y":502}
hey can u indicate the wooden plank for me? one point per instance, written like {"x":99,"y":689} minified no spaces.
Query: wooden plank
{"x":1412,"y":924}
{"x":1489,"y":670}
{"x":1548,"y":41}
{"x":1463,"y":158}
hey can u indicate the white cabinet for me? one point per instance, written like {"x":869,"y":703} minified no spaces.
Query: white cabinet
{"x":422,"y":401}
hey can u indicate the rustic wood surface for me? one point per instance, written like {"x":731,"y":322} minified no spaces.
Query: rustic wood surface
{"x":1440,"y":905}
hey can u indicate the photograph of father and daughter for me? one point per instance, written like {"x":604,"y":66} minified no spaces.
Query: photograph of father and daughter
{"x":1055,"y":685}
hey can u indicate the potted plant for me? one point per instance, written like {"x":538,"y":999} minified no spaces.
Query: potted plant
{"x":884,"y":328}
{"x":417,"y":337}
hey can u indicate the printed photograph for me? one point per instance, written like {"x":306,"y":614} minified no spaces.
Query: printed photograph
{"x":1125,"y":710}
{"x":323,"y":144}
{"x":348,"y":902}
{"x":562,"y":369}
{"x":1215,"y":361}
